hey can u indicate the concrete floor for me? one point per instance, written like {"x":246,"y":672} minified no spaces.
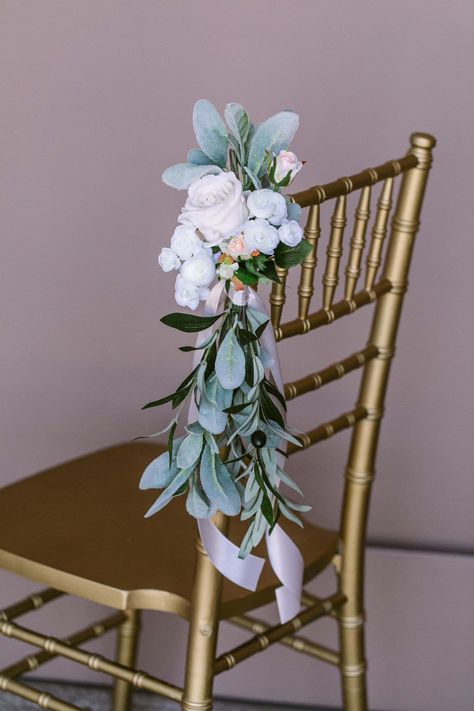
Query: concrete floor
{"x":98,"y":699}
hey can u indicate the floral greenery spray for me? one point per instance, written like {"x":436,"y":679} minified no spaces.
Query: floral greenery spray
{"x":235,"y":227}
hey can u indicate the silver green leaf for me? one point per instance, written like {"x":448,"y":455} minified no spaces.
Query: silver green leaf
{"x":293,"y":211}
{"x":218,"y":484}
{"x":181,"y":175}
{"x":189,"y":451}
{"x":239,"y":123}
{"x":218,"y":395}
{"x":210,"y":417}
{"x":197,"y":503}
{"x":158,"y":473}
{"x":197,"y":157}
{"x":180,"y":479}
{"x":210,"y":131}
{"x":230,"y":362}
{"x":273,"y":135}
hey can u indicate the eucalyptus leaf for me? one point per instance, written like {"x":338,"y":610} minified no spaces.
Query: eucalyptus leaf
{"x":197,"y":503}
{"x":273,"y":135}
{"x":179,"y":481}
{"x":181,"y":175}
{"x":194,"y":428}
{"x":210,"y":131}
{"x":218,"y":484}
{"x":158,"y":473}
{"x":230,"y":362}
{"x":211,"y":442}
{"x":218,"y":395}
{"x":210,"y":417}
{"x":189,"y":451}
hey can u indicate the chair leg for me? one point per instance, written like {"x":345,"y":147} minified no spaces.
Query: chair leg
{"x":127,"y":643}
{"x":353,"y":664}
{"x":203,"y":631}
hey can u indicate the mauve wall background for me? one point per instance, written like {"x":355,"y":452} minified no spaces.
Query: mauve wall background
{"x":96,"y":102}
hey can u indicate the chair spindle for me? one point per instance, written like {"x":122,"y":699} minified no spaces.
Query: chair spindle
{"x":379,"y":233}
{"x":362,"y":215}
{"x":278,"y":297}
{"x":334,"y":252}
{"x":312,"y":233}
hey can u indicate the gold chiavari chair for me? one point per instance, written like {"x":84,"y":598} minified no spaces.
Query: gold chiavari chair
{"x":79,"y":527}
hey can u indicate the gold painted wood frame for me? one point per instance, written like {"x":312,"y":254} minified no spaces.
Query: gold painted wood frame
{"x":110,"y":555}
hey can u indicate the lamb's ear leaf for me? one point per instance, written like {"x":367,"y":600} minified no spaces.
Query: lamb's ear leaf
{"x":198,"y":157}
{"x":294,"y":211}
{"x":239,"y":123}
{"x":272,"y":135}
{"x":181,"y":175}
{"x":210,"y":131}
{"x":255,"y":181}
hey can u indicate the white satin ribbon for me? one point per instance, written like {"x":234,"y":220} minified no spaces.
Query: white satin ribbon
{"x":285,"y":558}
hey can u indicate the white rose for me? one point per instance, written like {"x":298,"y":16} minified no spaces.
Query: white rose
{"x":260,"y":234}
{"x":267,"y":204}
{"x":168,"y":260}
{"x":186,"y":294}
{"x":226,"y":271}
{"x":286,"y":162}
{"x":290,"y":233}
{"x":199,"y":270}
{"x":185,"y":241}
{"x":215,"y":206}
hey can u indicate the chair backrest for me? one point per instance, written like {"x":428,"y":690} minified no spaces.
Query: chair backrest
{"x":386,"y":292}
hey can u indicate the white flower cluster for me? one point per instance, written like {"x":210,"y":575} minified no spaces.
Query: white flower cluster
{"x":218,"y":213}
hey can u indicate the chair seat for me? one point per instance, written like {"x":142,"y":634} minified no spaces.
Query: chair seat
{"x":79,"y":527}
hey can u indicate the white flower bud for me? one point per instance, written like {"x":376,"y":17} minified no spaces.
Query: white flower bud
{"x":168,"y":260}
{"x":290,"y":233}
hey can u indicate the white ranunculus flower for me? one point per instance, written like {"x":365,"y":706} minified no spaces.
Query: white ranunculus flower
{"x":290,"y":233}
{"x":286,"y":162}
{"x":260,"y":234}
{"x":185,"y":241}
{"x":168,"y":260}
{"x":226,"y":271}
{"x":216,"y":206}
{"x":186,"y":293}
{"x":267,"y":204}
{"x":199,"y":270}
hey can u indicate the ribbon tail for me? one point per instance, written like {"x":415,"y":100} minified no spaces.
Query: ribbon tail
{"x":287,"y":562}
{"x":225,"y":557}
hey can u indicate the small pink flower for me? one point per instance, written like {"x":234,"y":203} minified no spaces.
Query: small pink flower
{"x":237,"y":247}
{"x":286,"y":162}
